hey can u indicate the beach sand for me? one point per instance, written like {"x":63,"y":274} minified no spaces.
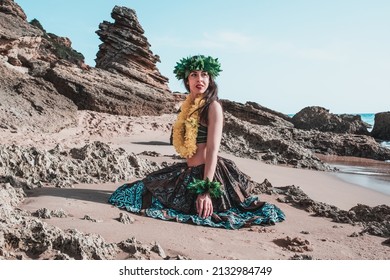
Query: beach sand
{"x":317,"y":237}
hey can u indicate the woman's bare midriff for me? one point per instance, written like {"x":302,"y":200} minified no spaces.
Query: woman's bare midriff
{"x":199,"y":157}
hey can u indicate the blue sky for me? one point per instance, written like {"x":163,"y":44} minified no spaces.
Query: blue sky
{"x":282,"y":54}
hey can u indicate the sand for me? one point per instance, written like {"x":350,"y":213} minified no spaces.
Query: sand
{"x":319,"y":238}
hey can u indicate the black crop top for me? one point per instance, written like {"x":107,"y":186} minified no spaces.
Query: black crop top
{"x":202,"y":134}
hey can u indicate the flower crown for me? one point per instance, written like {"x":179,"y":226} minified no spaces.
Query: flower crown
{"x":198,"y":62}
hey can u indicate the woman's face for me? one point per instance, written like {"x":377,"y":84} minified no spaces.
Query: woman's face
{"x":198,"y":81}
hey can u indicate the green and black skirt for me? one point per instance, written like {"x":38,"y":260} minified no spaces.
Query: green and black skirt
{"x":163,"y":194}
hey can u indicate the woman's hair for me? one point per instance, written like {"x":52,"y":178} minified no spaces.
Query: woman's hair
{"x":211,"y":95}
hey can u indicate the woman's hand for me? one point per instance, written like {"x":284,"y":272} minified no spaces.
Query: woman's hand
{"x":204,"y":205}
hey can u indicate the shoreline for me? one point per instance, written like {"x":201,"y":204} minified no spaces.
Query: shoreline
{"x":366,"y":173}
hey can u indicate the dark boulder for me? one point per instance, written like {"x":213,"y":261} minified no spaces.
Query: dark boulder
{"x":381,"y":128}
{"x":319,"y":118}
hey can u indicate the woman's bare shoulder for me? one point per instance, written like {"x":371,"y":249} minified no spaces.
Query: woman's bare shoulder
{"x":215,"y":110}
{"x":215,"y":105}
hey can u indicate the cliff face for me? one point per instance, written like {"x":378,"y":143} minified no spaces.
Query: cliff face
{"x":27,"y":101}
{"x":44,"y":80}
{"x":28,"y":44}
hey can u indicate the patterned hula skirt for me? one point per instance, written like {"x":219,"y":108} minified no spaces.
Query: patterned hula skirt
{"x":163,"y":194}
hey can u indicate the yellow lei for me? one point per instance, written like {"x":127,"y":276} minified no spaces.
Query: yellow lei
{"x":185,"y":129}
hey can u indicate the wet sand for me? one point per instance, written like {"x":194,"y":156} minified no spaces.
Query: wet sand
{"x":367,"y":173}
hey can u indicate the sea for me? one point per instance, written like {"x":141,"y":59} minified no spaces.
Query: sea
{"x":371,"y":174}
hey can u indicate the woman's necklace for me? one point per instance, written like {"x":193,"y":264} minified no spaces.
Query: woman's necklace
{"x":185,"y":129}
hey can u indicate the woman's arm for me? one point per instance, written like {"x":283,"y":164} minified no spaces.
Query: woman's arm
{"x":214,"y":136}
{"x":204,"y":204}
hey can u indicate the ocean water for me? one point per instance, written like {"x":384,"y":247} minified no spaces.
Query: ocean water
{"x":368,"y":118}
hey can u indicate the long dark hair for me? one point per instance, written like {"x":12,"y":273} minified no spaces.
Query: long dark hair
{"x":211,"y":95}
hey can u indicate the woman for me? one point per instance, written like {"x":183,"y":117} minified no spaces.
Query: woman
{"x":206,"y":189}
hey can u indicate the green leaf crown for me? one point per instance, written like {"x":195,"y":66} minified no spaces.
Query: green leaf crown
{"x":198,"y":62}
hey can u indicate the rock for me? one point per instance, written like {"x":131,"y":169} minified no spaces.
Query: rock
{"x":273,"y":145}
{"x":12,"y":8}
{"x":381,"y":129}
{"x":354,"y":124}
{"x":11,"y":196}
{"x":354,"y":234}
{"x":159,"y":250}
{"x":126,"y":50}
{"x":264,"y":187}
{"x":45,"y":213}
{"x":136,"y":249}
{"x":27,"y":102}
{"x":44,"y":80}
{"x":22,"y":43}
{"x":25,"y":237}
{"x":261,"y":134}
{"x":375,"y":220}
{"x":103,"y":91}
{"x":296,"y":244}
{"x":346,"y":144}
{"x":92,"y":163}
{"x":88,"y":218}
{"x":256,"y":114}
{"x":125,"y":218}
{"x":320,"y":119}
{"x":301,"y":257}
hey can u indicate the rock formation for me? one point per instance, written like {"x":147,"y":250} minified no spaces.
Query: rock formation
{"x":92,"y":163}
{"x":32,"y":104}
{"x":126,"y":50}
{"x":259,"y":133}
{"x":375,"y":220}
{"x":346,"y":144}
{"x":44,"y":81}
{"x":256,"y":114}
{"x":267,"y":143}
{"x":320,"y":119}
{"x":23,"y":236}
{"x":381,"y":128}
{"x":28,"y":44}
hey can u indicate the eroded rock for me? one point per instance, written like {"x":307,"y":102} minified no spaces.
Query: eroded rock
{"x":375,"y":220}
{"x":92,"y":163}
{"x":125,"y":218}
{"x":319,"y":118}
{"x":126,"y":50}
{"x":381,"y":129}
